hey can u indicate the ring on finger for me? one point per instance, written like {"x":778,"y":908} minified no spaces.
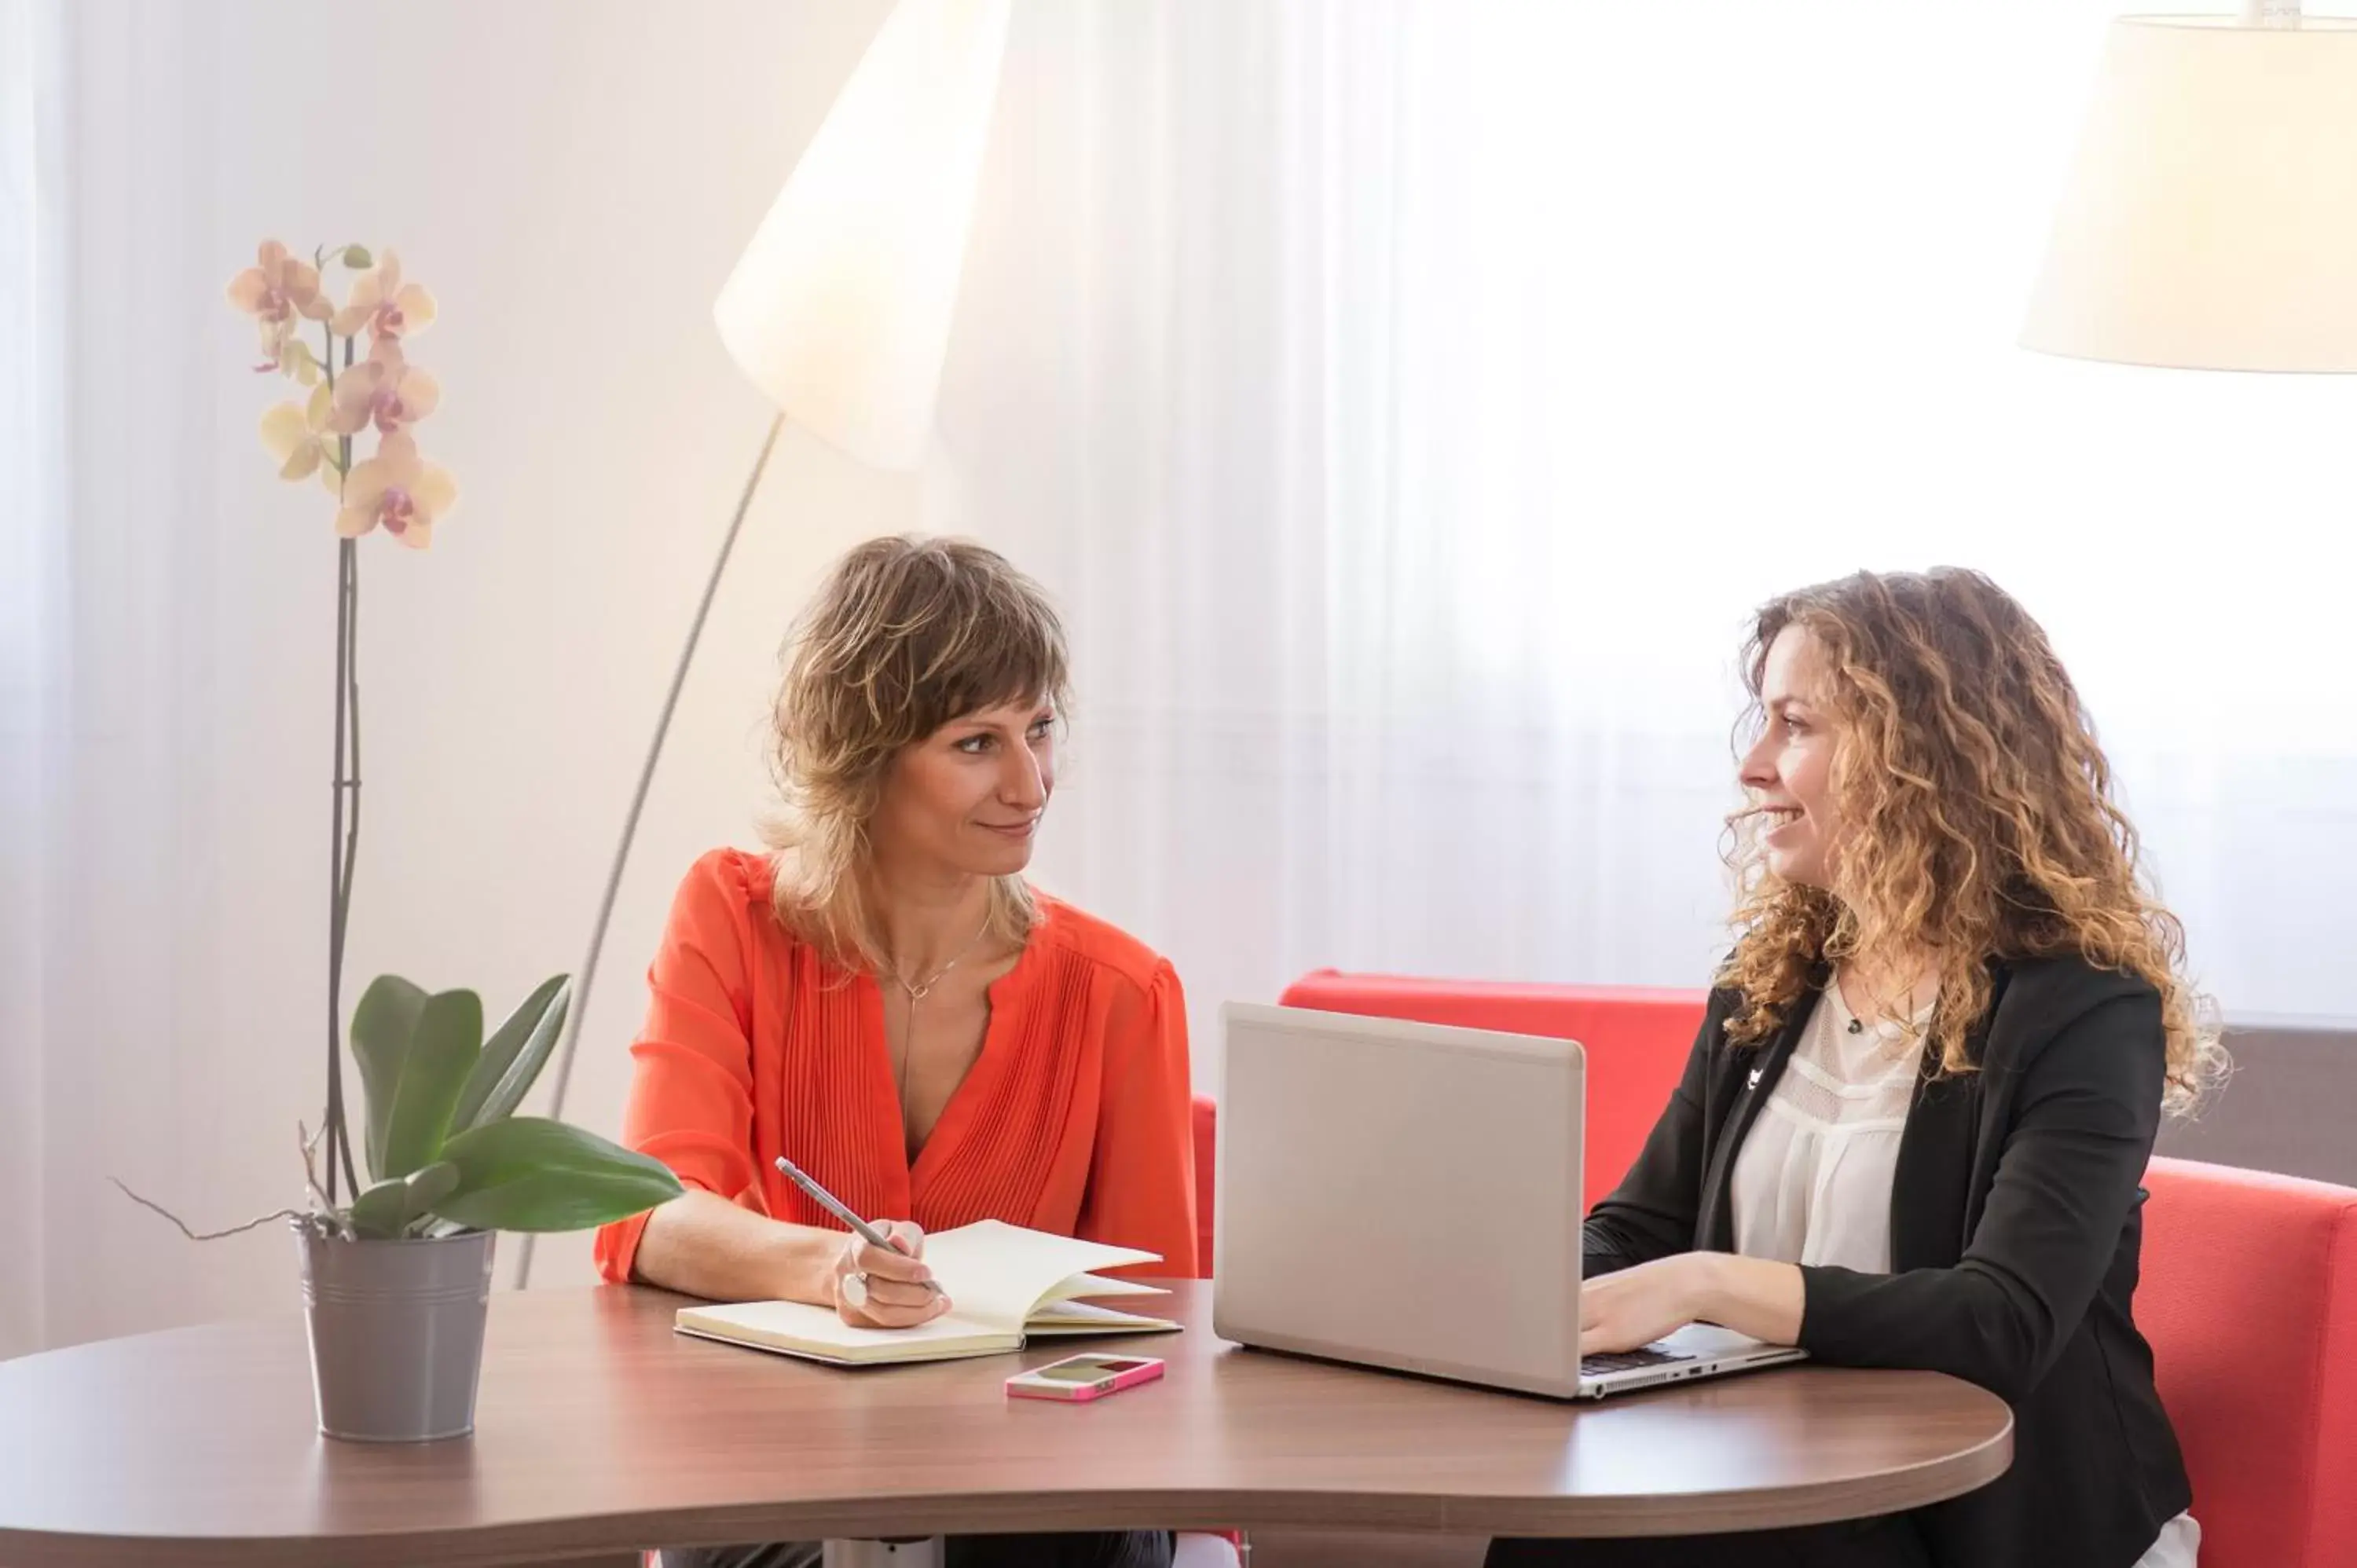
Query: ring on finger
{"x":854,"y":1289}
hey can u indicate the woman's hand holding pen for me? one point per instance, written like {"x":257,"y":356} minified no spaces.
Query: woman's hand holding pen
{"x":887,"y":1287}
{"x":879,"y":1279}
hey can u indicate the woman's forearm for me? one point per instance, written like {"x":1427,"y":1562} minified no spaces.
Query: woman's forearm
{"x":702,"y":1244}
{"x":1751,"y":1295}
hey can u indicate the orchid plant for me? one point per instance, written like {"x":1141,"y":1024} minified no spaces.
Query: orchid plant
{"x":393,"y":489}
{"x":396,"y":487}
{"x":443,"y":1149}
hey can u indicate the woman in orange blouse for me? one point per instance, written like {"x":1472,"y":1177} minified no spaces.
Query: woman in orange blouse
{"x":884,"y":1000}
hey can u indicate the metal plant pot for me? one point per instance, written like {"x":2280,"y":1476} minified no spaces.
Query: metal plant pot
{"x":396,"y":1332}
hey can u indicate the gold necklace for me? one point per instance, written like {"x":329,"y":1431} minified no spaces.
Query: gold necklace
{"x":918,"y":991}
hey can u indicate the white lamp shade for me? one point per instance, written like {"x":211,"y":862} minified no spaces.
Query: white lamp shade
{"x":840,"y":308}
{"x":2210,"y":221}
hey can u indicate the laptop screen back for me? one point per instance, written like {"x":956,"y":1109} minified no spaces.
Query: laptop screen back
{"x":1405,"y":1194}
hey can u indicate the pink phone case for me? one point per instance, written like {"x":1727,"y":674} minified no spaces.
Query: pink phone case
{"x":1120,"y":1373}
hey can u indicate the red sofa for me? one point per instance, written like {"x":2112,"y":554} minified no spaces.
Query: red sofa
{"x":2249,"y":1296}
{"x":1636,"y":1038}
{"x":2249,"y":1292}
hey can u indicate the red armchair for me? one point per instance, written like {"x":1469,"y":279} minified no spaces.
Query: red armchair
{"x":2249,"y":1297}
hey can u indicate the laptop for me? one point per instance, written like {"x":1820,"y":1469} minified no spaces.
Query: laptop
{"x":1406,"y":1196}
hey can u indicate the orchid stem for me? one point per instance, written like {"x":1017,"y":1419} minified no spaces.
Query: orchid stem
{"x":344,"y":833}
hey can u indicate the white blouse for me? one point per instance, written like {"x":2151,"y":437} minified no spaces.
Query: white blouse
{"x":1812,"y":1182}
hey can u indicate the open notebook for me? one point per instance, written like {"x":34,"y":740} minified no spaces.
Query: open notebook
{"x":1008,"y":1283}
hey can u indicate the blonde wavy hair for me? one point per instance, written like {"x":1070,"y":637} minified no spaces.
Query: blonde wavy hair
{"x":1977,"y":813}
{"x":905,"y":636}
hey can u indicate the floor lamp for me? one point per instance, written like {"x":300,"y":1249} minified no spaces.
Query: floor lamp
{"x":2211,"y":220}
{"x":839,"y":309}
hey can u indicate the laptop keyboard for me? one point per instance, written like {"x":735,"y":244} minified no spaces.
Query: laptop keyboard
{"x":1628,"y":1360}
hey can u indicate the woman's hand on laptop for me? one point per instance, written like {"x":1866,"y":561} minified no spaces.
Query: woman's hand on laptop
{"x":1633,"y":1308}
{"x":879,"y":1287}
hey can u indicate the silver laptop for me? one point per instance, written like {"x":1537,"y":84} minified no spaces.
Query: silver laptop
{"x":1407,"y":1196}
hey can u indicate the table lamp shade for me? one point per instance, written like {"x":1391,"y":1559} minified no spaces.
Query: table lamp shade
{"x":2210,"y":221}
{"x":840,"y":308}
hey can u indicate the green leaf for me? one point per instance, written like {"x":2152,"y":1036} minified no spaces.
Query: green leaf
{"x":443,"y":1052}
{"x":512,"y":1059}
{"x":528,"y":1173}
{"x":389,"y":1207}
{"x":416,"y":1052}
{"x":382,"y":1025}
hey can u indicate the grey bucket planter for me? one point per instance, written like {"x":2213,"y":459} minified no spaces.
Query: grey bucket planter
{"x":396,"y":1332}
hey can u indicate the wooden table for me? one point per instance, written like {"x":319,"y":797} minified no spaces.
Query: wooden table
{"x":598,"y":1430}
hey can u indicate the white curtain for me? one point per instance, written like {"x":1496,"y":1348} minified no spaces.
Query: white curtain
{"x":32,"y":472}
{"x":129,"y":755}
{"x":1411,"y":402}
{"x":1406,"y":399}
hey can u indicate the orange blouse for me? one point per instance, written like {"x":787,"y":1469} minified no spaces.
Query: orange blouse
{"x":1074,"y":1118}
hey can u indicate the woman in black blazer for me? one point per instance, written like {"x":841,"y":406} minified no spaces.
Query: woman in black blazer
{"x":1930,"y":853}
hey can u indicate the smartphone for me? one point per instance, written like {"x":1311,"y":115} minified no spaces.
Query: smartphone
{"x":1079,"y":1378}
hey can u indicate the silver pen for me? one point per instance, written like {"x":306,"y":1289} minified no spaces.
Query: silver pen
{"x":834,"y":1206}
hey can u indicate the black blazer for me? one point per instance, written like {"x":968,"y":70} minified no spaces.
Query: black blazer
{"x":2015,"y":1221}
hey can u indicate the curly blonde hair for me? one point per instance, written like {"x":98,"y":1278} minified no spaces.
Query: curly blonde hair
{"x":905,"y":636}
{"x":1979,"y":818}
